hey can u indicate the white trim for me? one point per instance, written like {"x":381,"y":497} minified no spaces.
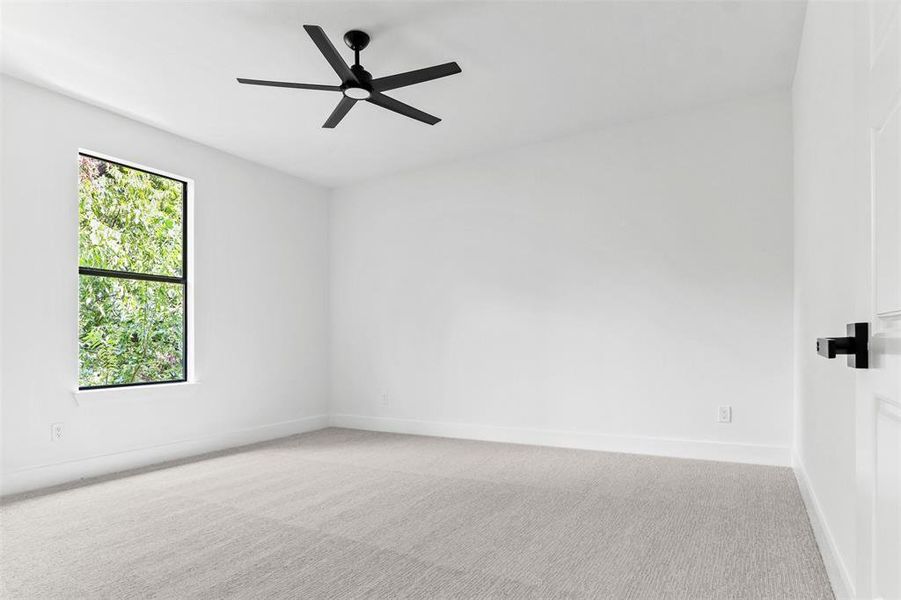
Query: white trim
{"x":34,"y":477}
{"x":132,"y":392}
{"x":889,"y":315}
{"x":888,"y":407}
{"x":679,"y":448}
{"x":836,"y":569}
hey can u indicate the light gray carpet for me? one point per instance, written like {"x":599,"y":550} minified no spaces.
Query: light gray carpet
{"x":352,"y":514}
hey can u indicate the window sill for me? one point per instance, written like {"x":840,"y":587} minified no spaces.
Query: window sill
{"x":136,"y":392}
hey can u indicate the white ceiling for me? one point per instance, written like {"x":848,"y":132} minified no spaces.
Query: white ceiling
{"x":531,"y":70}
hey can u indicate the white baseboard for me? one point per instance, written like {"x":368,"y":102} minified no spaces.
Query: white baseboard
{"x":728,"y":452}
{"x":45,"y":475}
{"x":836,"y":569}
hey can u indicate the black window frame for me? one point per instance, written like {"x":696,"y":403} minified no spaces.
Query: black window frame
{"x":183,"y":280}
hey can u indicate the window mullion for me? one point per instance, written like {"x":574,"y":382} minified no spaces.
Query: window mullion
{"x":131,"y":275}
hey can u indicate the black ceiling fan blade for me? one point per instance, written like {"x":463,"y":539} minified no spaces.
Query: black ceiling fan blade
{"x":383,"y":84}
{"x":287,"y":84}
{"x":345,"y":105}
{"x":330,"y":53}
{"x":399,"y":107}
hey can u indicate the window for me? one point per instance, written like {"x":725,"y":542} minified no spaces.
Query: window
{"x":132,"y":270}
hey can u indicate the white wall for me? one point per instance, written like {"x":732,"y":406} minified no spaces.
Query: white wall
{"x":831,"y":271}
{"x":260,"y":307}
{"x":607,"y":290}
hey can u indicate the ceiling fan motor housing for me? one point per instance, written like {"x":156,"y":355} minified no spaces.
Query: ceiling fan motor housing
{"x":364,"y":77}
{"x":362,"y":88}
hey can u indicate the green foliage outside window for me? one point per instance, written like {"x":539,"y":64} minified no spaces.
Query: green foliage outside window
{"x":130,"y":221}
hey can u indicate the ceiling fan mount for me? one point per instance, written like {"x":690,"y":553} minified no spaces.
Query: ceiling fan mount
{"x":357,"y":83}
{"x":356,"y":40}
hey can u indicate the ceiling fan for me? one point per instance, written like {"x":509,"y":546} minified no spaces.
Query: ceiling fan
{"x":356,"y":82}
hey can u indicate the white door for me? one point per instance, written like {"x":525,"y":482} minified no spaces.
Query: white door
{"x":879,"y":388}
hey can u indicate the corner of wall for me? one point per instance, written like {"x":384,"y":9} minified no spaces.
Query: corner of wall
{"x":330,"y":194}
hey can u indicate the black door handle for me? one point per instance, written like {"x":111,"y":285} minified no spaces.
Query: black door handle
{"x":854,"y":345}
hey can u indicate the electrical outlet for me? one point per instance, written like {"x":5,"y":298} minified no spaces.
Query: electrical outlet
{"x":724,"y":414}
{"x":383,"y":399}
{"x":56,"y":432}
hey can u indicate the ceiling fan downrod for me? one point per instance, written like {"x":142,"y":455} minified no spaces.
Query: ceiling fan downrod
{"x":357,"y":41}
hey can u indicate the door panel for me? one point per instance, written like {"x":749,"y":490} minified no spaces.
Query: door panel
{"x":887,"y":567}
{"x":885,"y":144}
{"x":887,"y":217}
{"x":879,"y":442}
